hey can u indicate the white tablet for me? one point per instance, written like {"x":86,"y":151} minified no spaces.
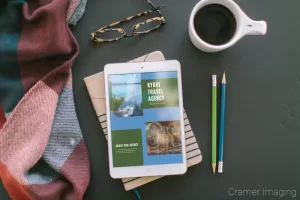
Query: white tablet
{"x":145,"y":119}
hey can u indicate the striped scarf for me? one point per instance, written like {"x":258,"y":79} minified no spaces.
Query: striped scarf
{"x":42,"y":152}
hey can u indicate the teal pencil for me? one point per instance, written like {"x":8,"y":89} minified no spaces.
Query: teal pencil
{"x":136,"y":192}
{"x":222,"y":124}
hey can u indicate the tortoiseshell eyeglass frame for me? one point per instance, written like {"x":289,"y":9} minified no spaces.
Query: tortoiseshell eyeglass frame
{"x":161,"y":19}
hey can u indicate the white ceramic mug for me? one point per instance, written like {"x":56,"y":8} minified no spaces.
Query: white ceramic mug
{"x":244,"y":26}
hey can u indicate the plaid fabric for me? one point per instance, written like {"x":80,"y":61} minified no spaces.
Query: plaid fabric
{"x":42,"y":151}
{"x":77,"y":14}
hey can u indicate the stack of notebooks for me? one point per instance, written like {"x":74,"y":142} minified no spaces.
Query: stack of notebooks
{"x":96,"y":89}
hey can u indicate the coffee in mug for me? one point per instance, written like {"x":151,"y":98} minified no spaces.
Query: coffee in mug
{"x":218,"y":24}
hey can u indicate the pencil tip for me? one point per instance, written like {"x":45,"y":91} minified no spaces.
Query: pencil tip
{"x":224,"y":78}
{"x":214,"y":168}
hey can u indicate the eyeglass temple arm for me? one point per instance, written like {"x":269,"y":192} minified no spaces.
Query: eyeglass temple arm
{"x":152,"y":4}
{"x":157,"y":8}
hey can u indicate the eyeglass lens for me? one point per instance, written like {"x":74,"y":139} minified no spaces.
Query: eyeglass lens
{"x":148,"y":25}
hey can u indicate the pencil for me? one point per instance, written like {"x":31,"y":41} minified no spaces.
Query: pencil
{"x":136,"y":192}
{"x":214,"y":122}
{"x":222,"y":125}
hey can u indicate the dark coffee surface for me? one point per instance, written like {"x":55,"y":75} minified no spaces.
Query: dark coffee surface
{"x":215,"y":24}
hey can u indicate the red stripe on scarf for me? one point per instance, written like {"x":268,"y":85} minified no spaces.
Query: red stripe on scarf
{"x":2,"y":117}
{"x":15,"y":189}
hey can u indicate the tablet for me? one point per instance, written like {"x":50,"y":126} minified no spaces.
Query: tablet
{"x":145,"y":123}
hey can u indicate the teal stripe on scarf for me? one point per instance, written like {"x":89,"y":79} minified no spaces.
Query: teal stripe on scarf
{"x":11,"y":88}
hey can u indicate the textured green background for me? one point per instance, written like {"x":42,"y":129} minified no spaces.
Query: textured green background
{"x":127,"y":137}
{"x":170,"y":92}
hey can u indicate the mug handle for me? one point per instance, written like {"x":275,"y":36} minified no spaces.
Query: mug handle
{"x":256,"y":27}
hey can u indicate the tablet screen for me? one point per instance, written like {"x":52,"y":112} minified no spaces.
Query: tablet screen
{"x":145,"y":119}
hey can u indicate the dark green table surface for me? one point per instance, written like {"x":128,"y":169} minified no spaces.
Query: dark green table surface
{"x":263,"y":100}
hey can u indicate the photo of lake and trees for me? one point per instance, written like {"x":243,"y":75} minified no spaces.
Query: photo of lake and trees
{"x":126,"y":95}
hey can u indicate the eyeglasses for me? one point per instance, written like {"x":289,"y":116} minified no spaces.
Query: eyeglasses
{"x":140,"y":28}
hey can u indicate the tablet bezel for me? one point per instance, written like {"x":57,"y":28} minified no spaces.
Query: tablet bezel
{"x":149,"y":170}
